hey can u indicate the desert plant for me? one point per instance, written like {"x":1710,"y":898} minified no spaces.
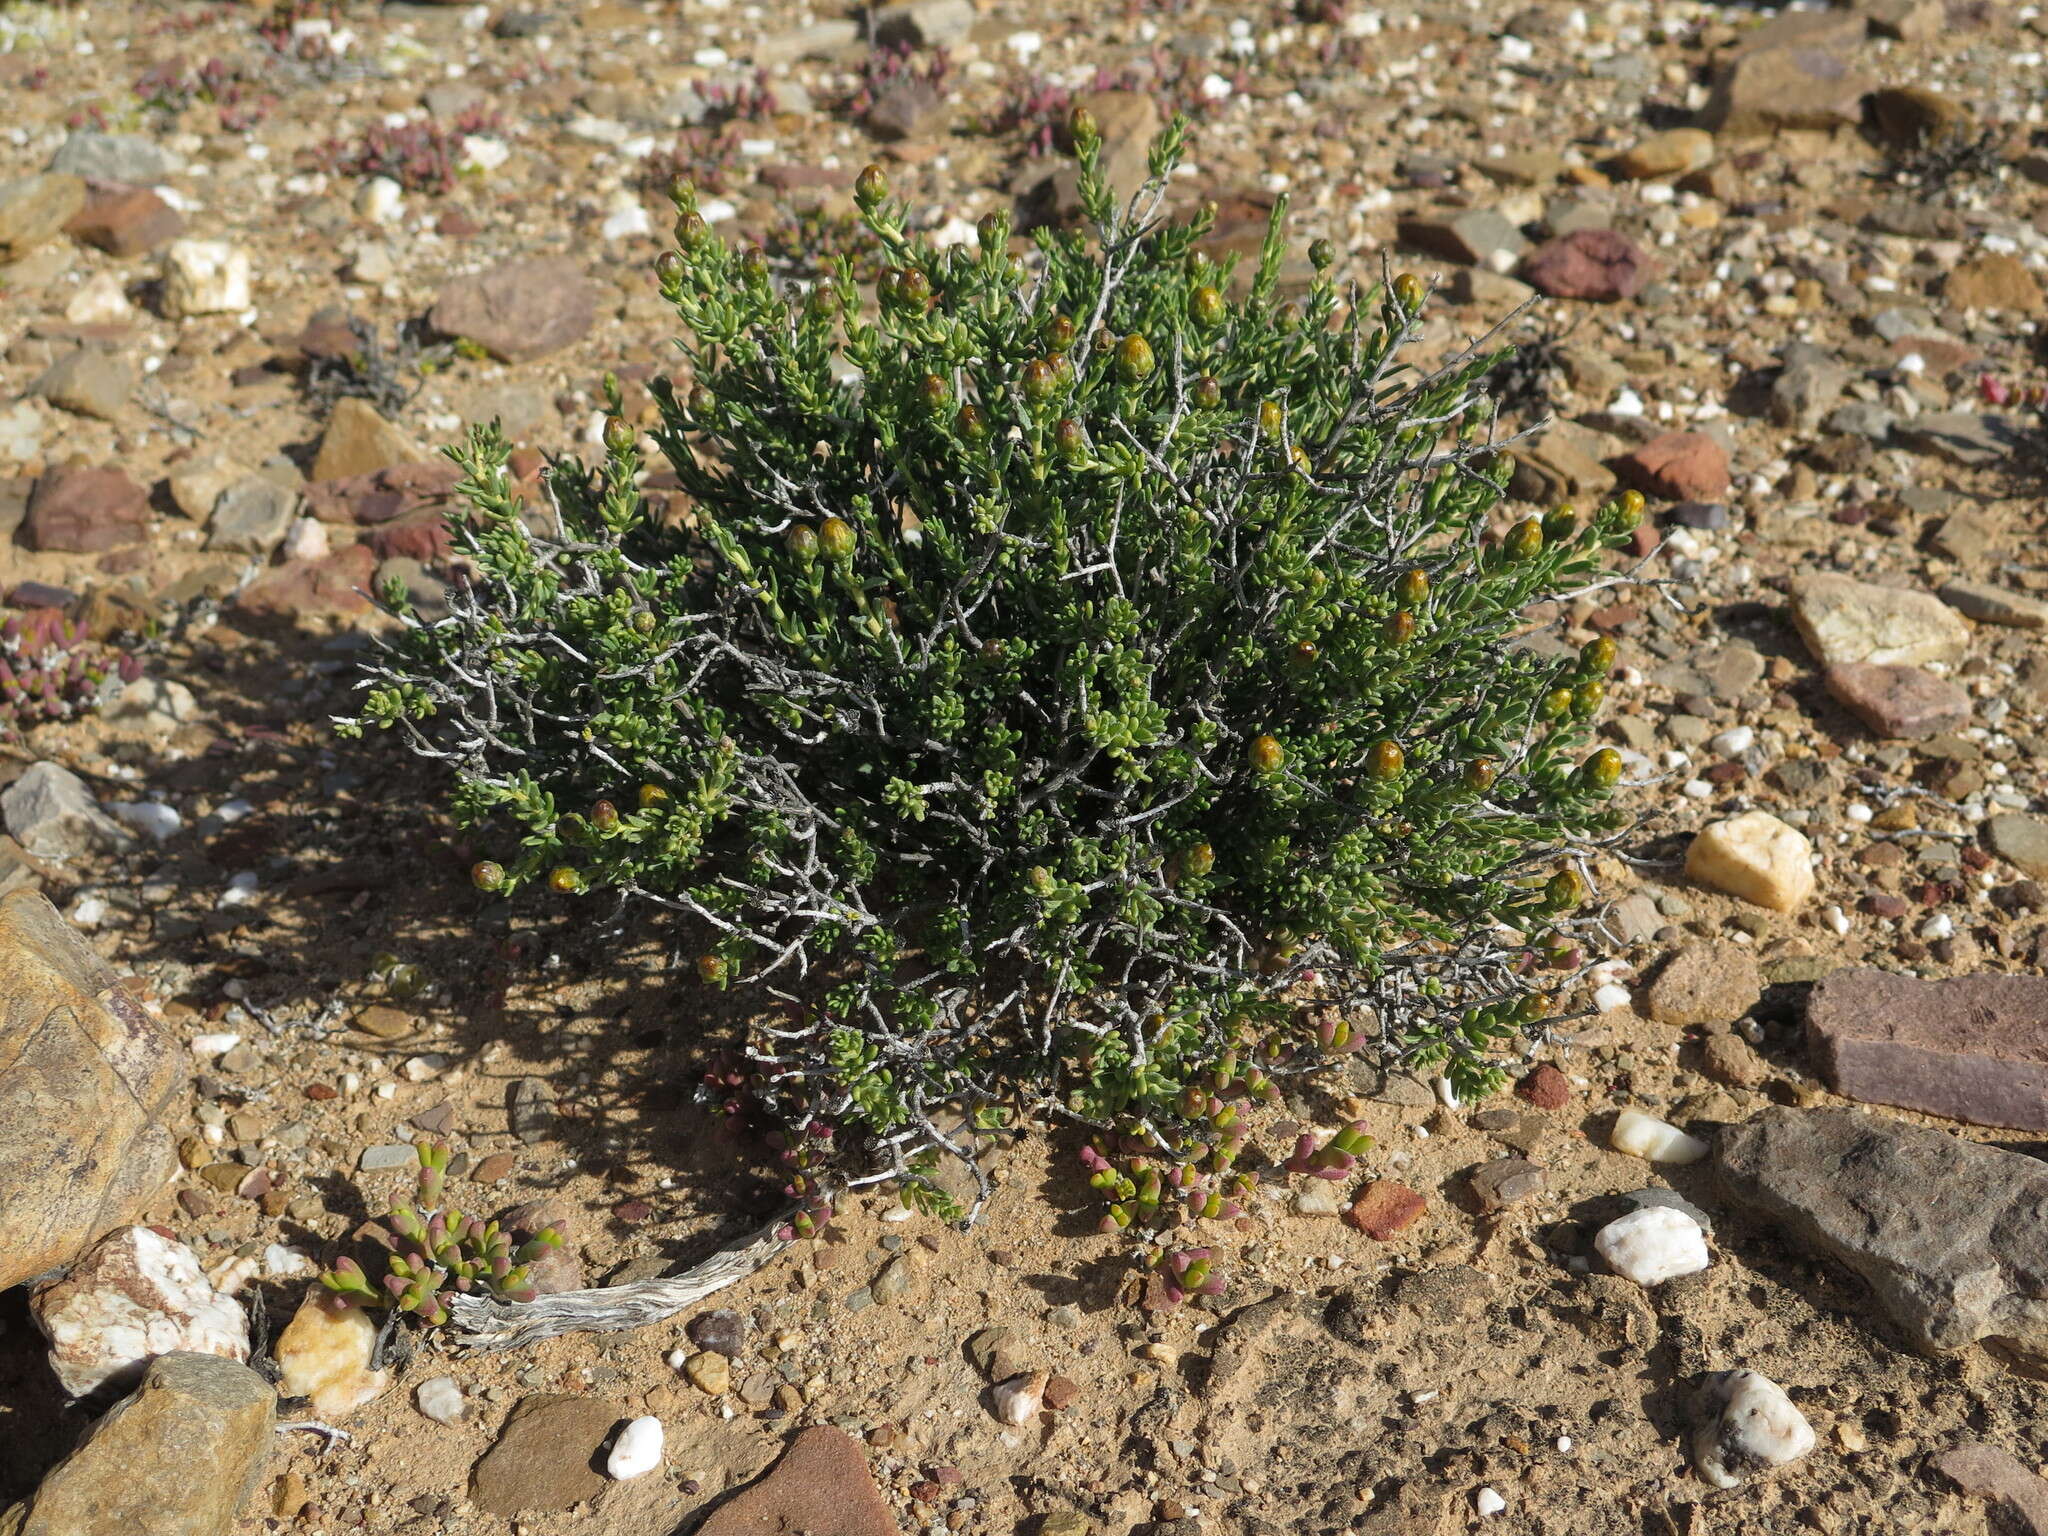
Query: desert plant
{"x":1104,"y":704}
{"x":50,"y":669}
{"x":433,"y":1252}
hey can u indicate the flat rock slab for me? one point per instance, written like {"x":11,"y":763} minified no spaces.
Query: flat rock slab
{"x":521,"y":310}
{"x":1899,"y":703}
{"x":1843,"y":620}
{"x":547,"y":1456}
{"x":1970,"y":1048}
{"x":1951,"y":1237}
{"x":1986,"y":1472}
{"x":821,"y":1487}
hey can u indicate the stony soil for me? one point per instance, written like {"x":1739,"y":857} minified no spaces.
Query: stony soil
{"x":311,"y":901}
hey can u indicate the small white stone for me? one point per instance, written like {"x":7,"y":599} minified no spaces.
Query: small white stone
{"x":307,"y":540}
{"x":1488,"y":1503}
{"x":157,"y":821}
{"x":1653,"y":1140}
{"x":441,"y":1400}
{"x":1652,"y":1245}
{"x":1835,"y":918}
{"x":1939,"y":926}
{"x":380,"y":200}
{"x":1318,"y":1197}
{"x":1756,"y":857}
{"x":207,"y":1047}
{"x":1019,"y":1399}
{"x":206,"y":277}
{"x":282,"y":1263}
{"x":1610,"y":997}
{"x":100,"y":301}
{"x":1743,"y":1423}
{"x":1735,"y":742}
{"x":636,"y":1451}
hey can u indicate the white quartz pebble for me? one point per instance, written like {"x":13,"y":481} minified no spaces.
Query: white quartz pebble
{"x":1652,"y":1245}
{"x":636,"y":1451}
{"x":1639,"y":1135}
{"x":440,"y":1399}
{"x":1743,"y":1422}
{"x":1487,"y":1502}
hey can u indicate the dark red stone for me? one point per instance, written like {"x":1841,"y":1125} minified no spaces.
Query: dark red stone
{"x":1598,"y":264}
{"x":1385,"y":1207}
{"x":1546,"y":1088}
{"x":125,"y":221}
{"x":1899,"y":703}
{"x":332,"y":587}
{"x":821,"y":1486}
{"x":85,"y":511}
{"x":421,"y":536}
{"x":1677,"y":466}
{"x":1970,"y":1048}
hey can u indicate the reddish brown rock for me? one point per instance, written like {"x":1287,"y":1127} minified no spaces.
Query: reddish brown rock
{"x":332,"y":587}
{"x":1546,"y":1088}
{"x":1602,"y":265}
{"x":421,"y":536}
{"x":547,"y":1456}
{"x":125,"y":221}
{"x":1969,"y":1048}
{"x":1678,"y":466}
{"x":383,"y":496}
{"x":2019,"y":1496}
{"x":85,"y":511}
{"x":521,"y":310}
{"x":1899,"y":703}
{"x":821,"y":1487}
{"x":1385,"y":1207}
{"x":1796,"y":71}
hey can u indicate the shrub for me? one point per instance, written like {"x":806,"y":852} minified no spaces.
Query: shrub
{"x":1104,"y":705}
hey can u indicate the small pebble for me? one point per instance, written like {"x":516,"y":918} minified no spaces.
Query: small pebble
{"x":1640,"y":1135}
{"x":636,"y":1451}
{"x":1745,"y":1423}
{"x":1488,"y":1503}
{"x":440,"y":1399}
{"x":1652,"y":1245}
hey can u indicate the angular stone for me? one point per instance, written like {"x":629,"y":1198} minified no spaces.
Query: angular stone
{"x":1807,"y":387}
{"x":1756,"y":857}
{"x":1987,"y":604}
{"x":1969,"y":1048}
{"x":547,"y":1457}
{"x":51,"y":813}
{"x":134,"y":1295}
{"x":923,"y":23}
{"x":1385,"y":1207}
{"x":1994,"y":281}
{"x":821,"y":1486}
{"x":358,"y":441}
{"x":2020,"y":840}
{"x":1950,"y":1236}
{"x":1508,"y":1181}
{"x":1602,"y":265}
{"x":1471,"y":237}
{"x":1678,"y":466}
{"x":82,"y":511}
{"x":36,"y":209}
{"x":1961,"y":437}
{"x":251,"y":516}
{"x":1843,"y":620}
{"x":1546,"y":1088}
{"x":521,"y":310}
{"x":329,"y":588}
{"x":1908,"y":21}
{"x":1912,"y":119}
{"x":1795,"y":71}
{"x":88,"y":382}
{"x":197,"y":483}
{"x":1670,"y":153}
{"x":1899,"y":703}
{"x":820,"y":40}
{"x":179,"y":1456}
{"x":118,"y":157}
{"x":2018,"y":1497}
{"x":1709,"y":983}
{"x":1732,"y":1060}
{"x":85,"y":1079}
{"x":910,"y":107}
{"x":1555,"y":468}
{"x":126,"y":221}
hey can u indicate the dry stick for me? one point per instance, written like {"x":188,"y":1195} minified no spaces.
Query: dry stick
{"x":484,"y":1323}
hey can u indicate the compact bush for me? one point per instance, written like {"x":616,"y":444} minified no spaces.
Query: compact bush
{"x":1086,"y":690}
